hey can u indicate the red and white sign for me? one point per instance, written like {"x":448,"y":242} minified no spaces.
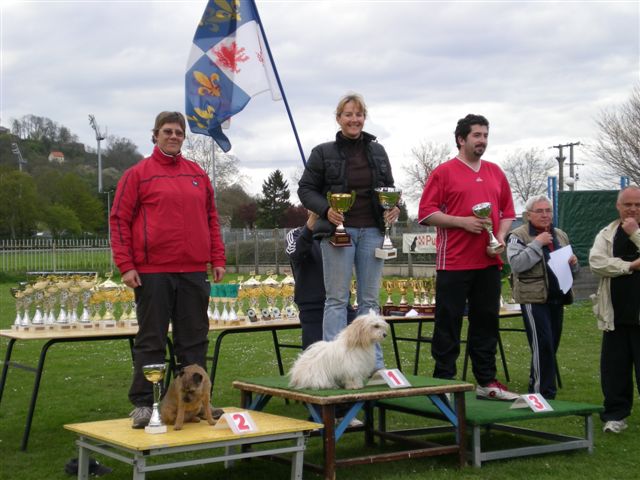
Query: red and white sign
{"x":394,"y":378}
{"x":535,"y":401}
{"x":418,"y":243}
{"x":239,"y":422}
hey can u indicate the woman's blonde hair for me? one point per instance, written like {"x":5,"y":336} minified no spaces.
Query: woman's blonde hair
{"x":356,"y":98}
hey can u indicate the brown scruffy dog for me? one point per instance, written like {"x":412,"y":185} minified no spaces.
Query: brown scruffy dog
{"x":187,"y":396}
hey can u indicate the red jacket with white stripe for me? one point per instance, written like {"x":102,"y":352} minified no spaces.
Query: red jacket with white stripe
{"x":164,"y":218}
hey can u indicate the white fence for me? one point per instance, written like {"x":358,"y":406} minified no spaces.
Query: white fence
{"x":55,"y":255}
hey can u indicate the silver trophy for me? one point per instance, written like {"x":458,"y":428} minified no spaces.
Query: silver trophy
{"x":388,"y":198}
{"x":155,"y":374}
{"x":483,"y":210}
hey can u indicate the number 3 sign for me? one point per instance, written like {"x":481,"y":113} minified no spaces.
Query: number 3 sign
{"x":535,"y":401}
{"x":239,"y":422}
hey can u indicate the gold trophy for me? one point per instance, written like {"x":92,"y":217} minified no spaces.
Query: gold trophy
{"x":388,"y":198}
{"x":341,"y":203}
{"x":389,"y":288}
{"x":483,"y":210}
{"x":155,"y":374}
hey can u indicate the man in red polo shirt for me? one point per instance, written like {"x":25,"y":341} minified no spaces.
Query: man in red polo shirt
{"x":468,"y":271}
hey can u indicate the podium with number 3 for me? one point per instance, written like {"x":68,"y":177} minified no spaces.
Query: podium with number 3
{"x":535,"y":401}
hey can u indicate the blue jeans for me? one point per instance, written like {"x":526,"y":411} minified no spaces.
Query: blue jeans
{"x":338,"y":263}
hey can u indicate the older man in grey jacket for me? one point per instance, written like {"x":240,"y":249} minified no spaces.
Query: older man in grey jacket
{"x":536,"y":289}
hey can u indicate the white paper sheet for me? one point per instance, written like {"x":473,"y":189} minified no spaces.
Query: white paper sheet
{"x":559,"y":264}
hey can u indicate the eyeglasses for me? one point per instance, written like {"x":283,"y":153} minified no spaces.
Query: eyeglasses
{"x":170,"y":131}
{"x":540,"y":211}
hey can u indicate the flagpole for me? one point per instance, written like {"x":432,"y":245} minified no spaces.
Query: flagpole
{"x":284,"y":97}
{"x":213,"y":171}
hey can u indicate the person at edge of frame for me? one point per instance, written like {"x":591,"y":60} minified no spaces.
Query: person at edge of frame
{"x":615,"y":258}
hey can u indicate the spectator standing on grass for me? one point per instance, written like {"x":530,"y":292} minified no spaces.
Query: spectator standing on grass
{"x":536,"y":289}
{"x":615,"y":258}
{"x":164,"y":235}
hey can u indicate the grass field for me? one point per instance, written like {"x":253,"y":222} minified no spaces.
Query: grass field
{"x":89,"y":381}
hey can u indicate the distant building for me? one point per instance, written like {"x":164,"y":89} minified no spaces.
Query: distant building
{"x":56,"y":157}
{"x":3,"y":130}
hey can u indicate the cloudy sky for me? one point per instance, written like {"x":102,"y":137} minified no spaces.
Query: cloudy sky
{"x":539,"y":71}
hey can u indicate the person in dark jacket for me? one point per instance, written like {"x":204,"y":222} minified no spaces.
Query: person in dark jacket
{"x":305,"y":258}
{"x":536,"y":289}
{"x":353,"y":162}
{"x":164,"y":235}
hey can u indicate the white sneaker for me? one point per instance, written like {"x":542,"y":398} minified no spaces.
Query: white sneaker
{"x":358,"y":423}
{"x":353,"y":423}
{"x":614,"y":426}
{"x":494,"y":390}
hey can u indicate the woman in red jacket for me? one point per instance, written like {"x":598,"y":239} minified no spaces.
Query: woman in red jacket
{"x":164,"y":233}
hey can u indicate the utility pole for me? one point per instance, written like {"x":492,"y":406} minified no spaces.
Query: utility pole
{"x":99,"y":138}
{"x":16,"y":151}
{"x":560,"y":158}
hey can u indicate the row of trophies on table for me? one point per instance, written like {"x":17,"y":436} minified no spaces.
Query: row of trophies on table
{"x":84,"y":301}
{"x":252,"y":300}
{"x":415,"y":294}
{"x":64,"y":301}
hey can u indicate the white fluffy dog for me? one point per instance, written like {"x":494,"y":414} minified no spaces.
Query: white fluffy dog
{"x":345,"y":362}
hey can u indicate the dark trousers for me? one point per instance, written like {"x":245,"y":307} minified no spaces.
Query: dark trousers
{"x":543,"y":323}
{"x":311,"y":325}
{"x":177,"y":298}
{"x":481,"y":289}
{"x":619,"y":356}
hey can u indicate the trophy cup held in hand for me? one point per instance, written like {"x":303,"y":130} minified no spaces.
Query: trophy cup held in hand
{"x":341,"y":203}
{"x":483,"y":210}
{"x":388,"y":198}
{"x":155,"y":374}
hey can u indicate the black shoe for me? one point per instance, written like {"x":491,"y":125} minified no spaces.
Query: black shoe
{"x":95,"y":468}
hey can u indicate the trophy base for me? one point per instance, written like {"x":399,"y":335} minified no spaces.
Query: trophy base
{"x":107,"y":324}
{"x":131,"y":322}
{"x":63,"y":326}
{"x":340,"y":240}
{"x":425,"y":309}
{"x":155,"y":429}
{"x":386,"y":253}
{"x":395,"y":310}
{"x":85,"y":325}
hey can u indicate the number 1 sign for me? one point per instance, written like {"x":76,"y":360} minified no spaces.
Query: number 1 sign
{"x":392,"y":377}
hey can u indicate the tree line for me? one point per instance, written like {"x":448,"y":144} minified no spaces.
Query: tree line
{"x":62,"y":198}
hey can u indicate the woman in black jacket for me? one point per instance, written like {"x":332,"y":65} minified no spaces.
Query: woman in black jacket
{"x":353,"y":162}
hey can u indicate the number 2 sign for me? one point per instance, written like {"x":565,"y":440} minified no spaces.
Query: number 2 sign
{"x":239,"y":422}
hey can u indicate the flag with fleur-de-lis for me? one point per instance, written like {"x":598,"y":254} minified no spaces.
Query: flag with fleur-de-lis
{"x":229,"y":63}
